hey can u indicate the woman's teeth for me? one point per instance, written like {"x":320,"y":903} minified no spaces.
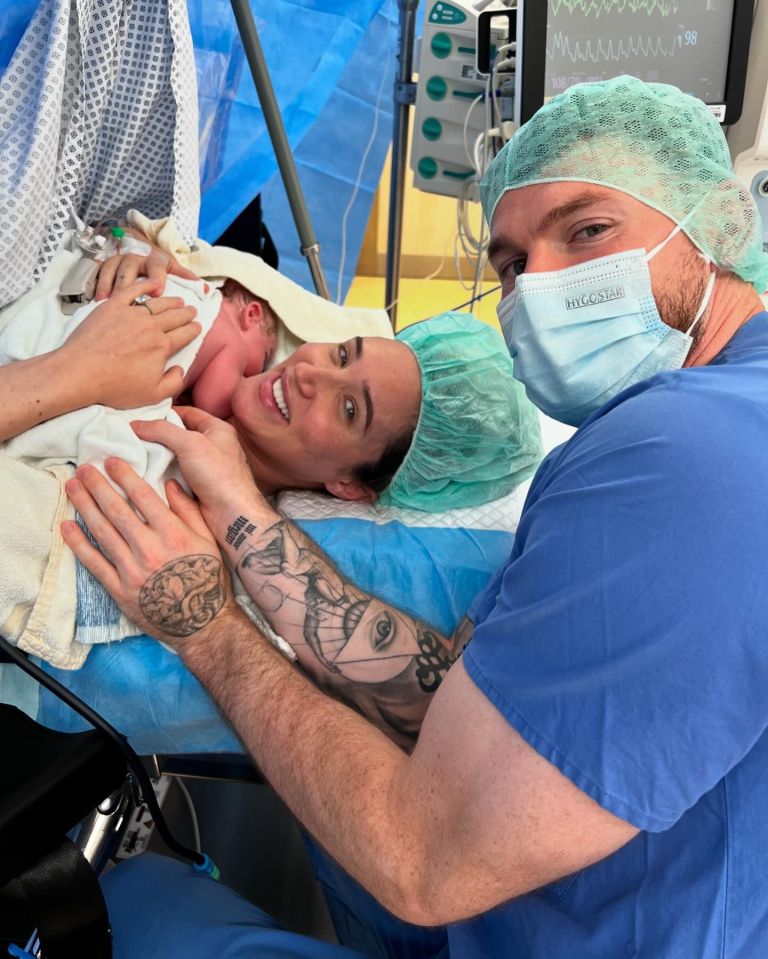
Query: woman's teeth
{"x":277,"y":392}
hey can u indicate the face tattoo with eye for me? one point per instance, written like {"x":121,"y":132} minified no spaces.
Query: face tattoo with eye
{"x":362,"y":644}
{"x":376,"y":646}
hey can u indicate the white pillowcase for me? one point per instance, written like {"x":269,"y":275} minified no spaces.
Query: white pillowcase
{"x":500,"y":514}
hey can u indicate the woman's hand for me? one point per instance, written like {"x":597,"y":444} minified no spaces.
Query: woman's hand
{"x":119,"y":353}
{"x":161,"y":564}
{"x":123,"y":269}
{"x":210,"y":457}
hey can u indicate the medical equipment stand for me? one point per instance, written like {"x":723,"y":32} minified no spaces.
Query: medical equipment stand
{"x":405,"y":97}
{"x":310,"y":248}
{"x":751,"y":168}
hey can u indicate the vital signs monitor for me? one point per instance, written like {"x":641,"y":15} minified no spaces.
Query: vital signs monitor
{"x":700,"y":46}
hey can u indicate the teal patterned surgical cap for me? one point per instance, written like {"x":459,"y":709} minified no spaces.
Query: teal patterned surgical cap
{"x":649,"y":140}
{"x":477,"y":436}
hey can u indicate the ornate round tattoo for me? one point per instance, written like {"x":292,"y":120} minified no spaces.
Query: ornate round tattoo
{"x":184,"y":595}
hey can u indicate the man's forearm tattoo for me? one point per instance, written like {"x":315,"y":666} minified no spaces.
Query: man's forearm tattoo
{"x":349,"y":633}
{"x":237,"y":531}
{"x":432,"y":662}
{"x":184,"y":595}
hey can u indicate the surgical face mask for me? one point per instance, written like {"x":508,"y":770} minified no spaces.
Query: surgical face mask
{"x":581,"y":335}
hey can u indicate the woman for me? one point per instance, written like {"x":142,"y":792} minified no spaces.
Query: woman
{"x":349,"y":417}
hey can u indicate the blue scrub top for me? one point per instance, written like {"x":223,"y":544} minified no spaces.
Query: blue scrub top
{"x":626,"y":640}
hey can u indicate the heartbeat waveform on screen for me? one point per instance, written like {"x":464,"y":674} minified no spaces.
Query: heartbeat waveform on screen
{"x":611,"y":48}
{"x":664,"y":8}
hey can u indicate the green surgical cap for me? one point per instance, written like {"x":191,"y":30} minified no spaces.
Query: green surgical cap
{"x":478,"y":435}
{"x":649,"y":140}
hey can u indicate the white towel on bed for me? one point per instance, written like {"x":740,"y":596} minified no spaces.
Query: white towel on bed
{"x":305,"y":317}
{"x":37,"y":571}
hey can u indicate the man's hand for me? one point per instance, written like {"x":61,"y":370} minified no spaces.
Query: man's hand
{"x":119,"y":353}
{"x":123,"y":269}
{"x":207,"y":451}
{"x":161,"y":564}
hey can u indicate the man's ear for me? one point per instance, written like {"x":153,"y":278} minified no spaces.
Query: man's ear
{"x":251,"y":314}
{"x":353,"y":490}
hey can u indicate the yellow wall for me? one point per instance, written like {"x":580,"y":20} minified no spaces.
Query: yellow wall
{"x":429,"y":229}
{"x":420,"y":299}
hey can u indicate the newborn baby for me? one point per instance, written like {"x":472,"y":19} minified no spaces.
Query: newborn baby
{"x":238,"y":336}
{"x":241,"y":342}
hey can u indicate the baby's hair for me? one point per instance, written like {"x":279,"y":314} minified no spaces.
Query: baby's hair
{"x":232,"y":290}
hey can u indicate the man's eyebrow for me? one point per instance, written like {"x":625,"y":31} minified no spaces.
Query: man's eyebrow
{"x":567,"y":209}
{"x":366,"y":391}
{"x":499,"y":243}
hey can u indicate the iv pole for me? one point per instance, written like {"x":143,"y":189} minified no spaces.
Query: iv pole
{"x":405,"y":97}
{"x":310,"y":248}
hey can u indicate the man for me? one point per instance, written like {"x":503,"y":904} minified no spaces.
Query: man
{"x":590,"y":776}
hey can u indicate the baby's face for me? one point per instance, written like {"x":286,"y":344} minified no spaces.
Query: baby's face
{"x":260,"y":345}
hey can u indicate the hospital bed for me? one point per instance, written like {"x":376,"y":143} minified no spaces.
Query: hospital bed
{"x":139,"y":686}
{"x":429,"y":564}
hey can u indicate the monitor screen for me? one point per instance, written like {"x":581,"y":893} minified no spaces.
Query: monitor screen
{"x":700,"y":46}
{"x":684,"y":42}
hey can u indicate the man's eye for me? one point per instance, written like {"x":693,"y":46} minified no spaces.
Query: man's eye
{"x":350,"y":410}
{"x":594,"y":229}
{"x":512,"y":268}
{"x":343,"y":355}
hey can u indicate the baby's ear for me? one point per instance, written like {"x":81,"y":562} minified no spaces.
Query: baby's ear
{"x":352,"y":490}
{"x":251,"y":315}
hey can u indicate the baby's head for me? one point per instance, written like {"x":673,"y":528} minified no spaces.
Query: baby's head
{"x":257,"y":323}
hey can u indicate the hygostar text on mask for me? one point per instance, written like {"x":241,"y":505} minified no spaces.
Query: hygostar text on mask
{"x":595,"y":297}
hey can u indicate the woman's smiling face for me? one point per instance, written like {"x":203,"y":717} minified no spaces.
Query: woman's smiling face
{"x":328,"y":409}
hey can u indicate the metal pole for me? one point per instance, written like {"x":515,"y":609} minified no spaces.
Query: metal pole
{"x":405,"y":96}
{"x":310,"y":248}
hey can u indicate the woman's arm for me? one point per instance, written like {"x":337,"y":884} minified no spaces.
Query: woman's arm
{"x":116,"y":357}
